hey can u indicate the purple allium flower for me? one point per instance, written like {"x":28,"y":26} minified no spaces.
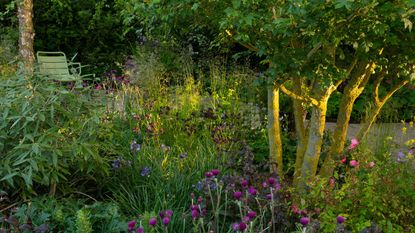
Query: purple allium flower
{"x":215,"y":172}
{"x":246,"y":219}
{"x":244,"y":183}
{"x":268,"y":196}
{"x":340,"y":219}
{"x":145,"y":171}
{"x":166,"y":221}
{"x":194,"y":207}
{"x":140,"y":230}
{"x":235,"y":226}
{"x":271,"y":180}
{"x":134,"y":146}
{"x":195,"y":214}
{"x":264,"y":184}
{"x":208,"y":174}
{"x":304,"y":221}
{"x":152,"y":222}
{"x":252,"y":191}
{"x":183,"y":155}
{"x":251,"y":214}
{"x":169,"y":213}
{"x":237,"y":195}
{"x":241,"y":226}
{"x":161,"y":214}
{"x":131,"y":225}
{"x":277,"y":186}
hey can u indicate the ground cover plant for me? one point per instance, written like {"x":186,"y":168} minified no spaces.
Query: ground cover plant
{"x":209,"y":116}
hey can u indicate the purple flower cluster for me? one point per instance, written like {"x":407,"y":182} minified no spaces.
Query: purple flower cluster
{"x":134,"y":146}
{"x":198,"y":208}
{"x":132,"y":227}
{"x":145,"y":171}
{"x":242,"y":225}
{"x":119,"y":163}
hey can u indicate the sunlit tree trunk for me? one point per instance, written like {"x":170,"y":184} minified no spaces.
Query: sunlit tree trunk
{"x":274,"y":131}
{"x":299,"y":116}
{"x":26,"y":34}
{"x":352,"y":91}
{"x":314,"y":142}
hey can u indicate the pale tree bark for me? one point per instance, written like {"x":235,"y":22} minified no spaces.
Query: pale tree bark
{"x":274,"y":131}
{"x":26,"y":34}
{"x":378,"y":104}
{"x":299,"y":117}
{"x":351,"y":92}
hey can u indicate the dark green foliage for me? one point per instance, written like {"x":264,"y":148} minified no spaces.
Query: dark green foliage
{"x":90,"y":28}
{"x":47,"y":133}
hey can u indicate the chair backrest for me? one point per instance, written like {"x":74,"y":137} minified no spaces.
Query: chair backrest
{"x":53,"y":64}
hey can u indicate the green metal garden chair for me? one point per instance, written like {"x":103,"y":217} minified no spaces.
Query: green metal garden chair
{"x":55,"y":66}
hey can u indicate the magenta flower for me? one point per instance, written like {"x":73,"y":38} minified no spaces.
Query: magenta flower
{"x":354,"y":163}
{"x":252,"y":191}
{"x":264,"y":184}
{"x":242,"y":226}
{"x":268,"y":196}
{"x":169,"y":213}
{"x":140,"y":230}
{"x":244,"y":183}
{"x":332,"y":181}
{"x":343,"y":160}
{"x":340,"y":219}
{"x":208,"y":174}
{"x":251,"y":214}
{"x":166,"y":221}
{"x":246,"y":219}
{"x":271,"y":180}
{"x":195,"y":214}
{"x":354,"y":143}
{"x":372,"y":164}
{"x":215,"y":172}
{"x":235,"y":226}
{"x":152,"y":222}
{"x":277,"y":186}
{"x":161,"y":214}
{"x":237,"y":195}
{"x":304,"y":221}
{"x":194,"y":207}
{"x":131,"y":225}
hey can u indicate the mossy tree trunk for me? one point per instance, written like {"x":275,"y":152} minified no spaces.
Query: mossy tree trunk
{"x":274,"y":131}
{"x":351,"y":92}
{"x":299,"y":117}
{"x":26,"y":34}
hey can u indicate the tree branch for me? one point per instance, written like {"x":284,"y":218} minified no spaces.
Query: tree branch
{"x":394,"y":89}
{"x":295,"y":96}
{"x":377,"y":84}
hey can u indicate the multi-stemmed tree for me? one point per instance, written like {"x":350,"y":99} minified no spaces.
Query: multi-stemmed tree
{"x":311,"y":47}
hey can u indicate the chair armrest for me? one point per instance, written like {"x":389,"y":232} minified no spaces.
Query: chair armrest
{"x":76,"y":68}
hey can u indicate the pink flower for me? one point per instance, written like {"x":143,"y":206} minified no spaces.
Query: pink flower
{"x":277,"y":186}
{"x":343,"y":160}
{"x":354,"y":163}
{"x":242,"y":226}
{"x":208,"y":174}
{"x":252,"y":191}
{"x":353,"y":144}
{"x":271,"y":180}
{"x":332,"y":181}
{"x":372,"y":164}
{"x":251,"y":214}
{"x":140,"y":230}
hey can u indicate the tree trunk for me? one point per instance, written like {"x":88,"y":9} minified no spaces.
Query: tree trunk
{"x":364,"y":130}
{"x":299,"y":114}
{"x":314,"y":142}
{"x":274,"y":131}
{"x":352,"y":91}
{"x":26,"y":34}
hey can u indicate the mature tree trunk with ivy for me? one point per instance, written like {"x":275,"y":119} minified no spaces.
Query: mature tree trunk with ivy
{"x":26,"y":34}
{"x":274,"y":131}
